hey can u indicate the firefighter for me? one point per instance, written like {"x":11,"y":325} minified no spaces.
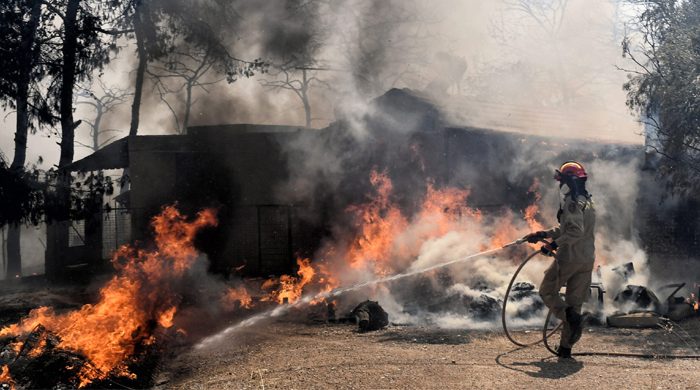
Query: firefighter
{"x":573,"y":248}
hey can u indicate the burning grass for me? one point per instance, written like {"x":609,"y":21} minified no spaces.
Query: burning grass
{"x":140,"y":303}
{"x":141,"y":298}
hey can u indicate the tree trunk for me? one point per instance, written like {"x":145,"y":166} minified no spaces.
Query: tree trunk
{"x":188,"y":103}
{"x":57,"y":233}
{"x":3,"y":249}
{"x":27,"y":58}
{"x":305,"y":98}
{"x":307,"y":110}
{"x":14,"y":268}
{"x":70,"y":43}
{"x":96,"y":129}
{"x":141,"y":69}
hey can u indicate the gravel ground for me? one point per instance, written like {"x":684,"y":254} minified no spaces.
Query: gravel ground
{"x":301,"y":355}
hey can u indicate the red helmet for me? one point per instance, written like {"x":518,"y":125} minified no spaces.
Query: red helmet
{"x":570,"y":168}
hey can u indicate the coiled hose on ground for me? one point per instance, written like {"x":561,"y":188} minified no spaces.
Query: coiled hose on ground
{"x":546,"y":333}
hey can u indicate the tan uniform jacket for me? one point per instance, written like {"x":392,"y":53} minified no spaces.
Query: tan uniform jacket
{"x":576,"y":232}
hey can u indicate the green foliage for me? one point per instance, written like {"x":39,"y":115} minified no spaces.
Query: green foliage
{"x":210,"y":26}
{"x":19,"y":200}
{"x":14,"y":17}
{"x":666,"y":88}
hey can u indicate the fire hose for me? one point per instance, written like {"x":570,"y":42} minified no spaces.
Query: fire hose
{"x":546,"y":333}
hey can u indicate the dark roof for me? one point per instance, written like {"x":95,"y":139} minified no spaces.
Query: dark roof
{"x":112,"y":156}
{"x":242,"y":128}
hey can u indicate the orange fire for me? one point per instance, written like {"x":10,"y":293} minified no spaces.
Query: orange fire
{"x":166,"y":318}
{"x":533,"y":210}
{"x":326,"y":279}
{"x":442,"y":208}
{"x":142,"y":292}
{"x":380,"y":221}
{"x":5,"y":377}
{"x":289,"y":288}
{"x":504,"y":232}
{"x":237,"y":297}
{"x":387,"y":239}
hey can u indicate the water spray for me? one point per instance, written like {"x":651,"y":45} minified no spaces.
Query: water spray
{"x":307,"y":299}
{"x":546,"y":332}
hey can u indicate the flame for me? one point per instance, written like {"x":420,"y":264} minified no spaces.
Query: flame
{"x":5,"y":377}
{"x":289,"y":288}
{"x":326,"y":280}
{"x":442,"y":208}
{"x":504,"y":232}
{"x":533,"y":210}
{"x":141,"y":292}
{"x":379,"y":222}
{"x":237,"y":297}
{"x":387,"y":239}
{"x":166,"y":318}
{"x":16,"y":346}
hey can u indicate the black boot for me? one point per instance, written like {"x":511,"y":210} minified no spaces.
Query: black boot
{"x":575,"y":324}
{"x":564,"y":352}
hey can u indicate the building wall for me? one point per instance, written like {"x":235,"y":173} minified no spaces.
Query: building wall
{"x":241,"y":171}
{"x":237,"y":174}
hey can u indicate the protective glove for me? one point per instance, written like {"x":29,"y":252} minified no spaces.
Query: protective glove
{"x":549,"y":249}
{"x":535,"y":237}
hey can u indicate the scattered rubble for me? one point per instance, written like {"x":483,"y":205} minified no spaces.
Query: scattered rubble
{"x":531,"y":303}
{"x":644,"y":319}
{"x":634,"y":297}
{"x":370,"y":316}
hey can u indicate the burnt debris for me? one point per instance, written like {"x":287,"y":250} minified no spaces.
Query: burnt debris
{"x":370,"y":316}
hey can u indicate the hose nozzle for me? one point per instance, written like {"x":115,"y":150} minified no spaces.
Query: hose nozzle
{"x":516,"y":242}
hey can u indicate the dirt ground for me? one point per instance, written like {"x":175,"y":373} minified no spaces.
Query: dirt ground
{"x":294,"y":352}
{"x":303,"y":355}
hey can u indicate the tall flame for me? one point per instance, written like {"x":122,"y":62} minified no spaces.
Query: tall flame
{"x":387,"y":238}
{"x":141,"y":293}
{"x":380,"y":221}
{"x":533,"y":210}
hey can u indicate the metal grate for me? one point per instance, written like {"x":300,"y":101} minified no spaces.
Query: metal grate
{"x":76,"y":233}
{"x":116,"y":230}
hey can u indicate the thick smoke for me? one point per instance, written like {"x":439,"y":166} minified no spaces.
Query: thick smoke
{"x":505,"y":70}
{"x":490,"y":63}
{"x":475,"y":282}
{"x":518,"y":173}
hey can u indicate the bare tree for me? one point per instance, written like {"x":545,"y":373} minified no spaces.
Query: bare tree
{"x":109,"y":98}
{"x":547,"y":14}
{"x":183,"y":71}
{"x":297,"y":79}
{"x":524,"y":26}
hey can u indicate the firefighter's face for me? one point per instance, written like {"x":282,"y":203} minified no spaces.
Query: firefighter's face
{"x":564,"y":189}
